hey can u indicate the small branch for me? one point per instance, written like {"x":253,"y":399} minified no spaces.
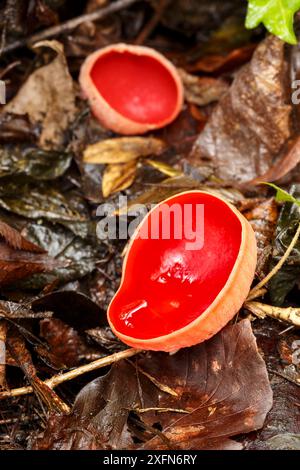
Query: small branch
{"x":254,"y":293}
{"x":69,"y":25}
{"x":72,"y":374}
{"x":151,"y":25}
{"x":289,"y":314}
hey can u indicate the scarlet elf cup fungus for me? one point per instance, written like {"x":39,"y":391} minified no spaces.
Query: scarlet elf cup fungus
{"x":187,"y":271}
{"x":131,"y":89}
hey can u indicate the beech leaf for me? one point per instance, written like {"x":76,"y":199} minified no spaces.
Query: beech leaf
{"x":248,"y":131}
{"x":48,"y":98}
{"x":222,"y":390}
{"x":117,"y":177}
{"x":122,"y":149}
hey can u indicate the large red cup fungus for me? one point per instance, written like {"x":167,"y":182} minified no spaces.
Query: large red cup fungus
{"x":131,"y":89}
{"x":187,"y":271}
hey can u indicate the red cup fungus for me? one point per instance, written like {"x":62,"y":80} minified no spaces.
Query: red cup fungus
{"x":186,"y":273}
{"x":131,"y":89}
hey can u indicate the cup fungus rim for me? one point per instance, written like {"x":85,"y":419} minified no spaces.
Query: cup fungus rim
{"x":121,"y":123}
{"x":237,"y":265}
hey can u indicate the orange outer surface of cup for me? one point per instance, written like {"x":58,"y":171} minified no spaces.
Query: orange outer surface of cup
{"x":227,"y":303}
{"x":109,"y":117}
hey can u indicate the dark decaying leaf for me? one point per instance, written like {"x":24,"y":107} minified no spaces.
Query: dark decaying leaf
{"x":20,"y":258}
{"x":66,"y":343}
{"x":251,"y":125}
{"x":176,"y":185}
{"x":284,"y":281}
{"x":14,"y":310}
{"x":42,"y":200}
{"x":284,"y":417}
{"x":263,"y":217}
{"x":19,"y":352}
{"x":104,"y":336}
{"x":35,"y":163}
{"x":202,"y":90}
{"x":221,"y":388}
{"x":78,"y":256}
{"x":48,"y":98}
{"x":15,"y":240}
{"x":19,"y":264}
{"x":16,"y":128}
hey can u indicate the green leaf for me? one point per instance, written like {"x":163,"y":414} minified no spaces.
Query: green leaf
{"x":282,"y":195}
{"x":276,"y":15}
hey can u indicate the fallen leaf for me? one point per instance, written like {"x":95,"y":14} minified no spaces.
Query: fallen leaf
{"x":217,"y":62}
{"x":263,"y":218}
{"x":118,"y":176}
{"x":19,"y":352}
{"x":48,"y":98}
{"x":283,"y":166}
{"x":15,"y":240}
{"x":34,"y":163}
{"x":122,"y":149}
{"x":16,"y":128}
{"x":222,"y":386}
{"x":252,"y":123}
{"x":202,"y":90}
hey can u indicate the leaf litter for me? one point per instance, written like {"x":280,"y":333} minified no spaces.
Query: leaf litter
{"x":238,"y":128}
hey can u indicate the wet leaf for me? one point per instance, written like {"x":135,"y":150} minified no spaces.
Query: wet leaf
{"x":222,"y":385}
{"x":37,"y":201}
{"x":202,"y":90}
{"x":35,"y":163}
{"x":48,"y":98}
{"x":284,"y":281}
{"x":122,"y":149}
{"x":117,"y":177}
{"x":251,"y":124}
{"x":176,"y":185}
{"x":15,"y":240}
{"x":263,"y":218}
{"x":78,"y":256}
{"x":16,"y":128}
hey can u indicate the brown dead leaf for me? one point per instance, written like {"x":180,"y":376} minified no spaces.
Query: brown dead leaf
{"x":222,"y":386}
{"x":214,"y":62}
{"x":15,"y":240}
{"x":19,"y":352}
{"x":118,"y":176}
{"x":202,"y":90}
{"x":252,"y":123}
{"x":48,"y":98}
{"x":122,"y":149}
{"x":283,"y":166}
{"x":263,"y":218}
{"x":20,"y":258}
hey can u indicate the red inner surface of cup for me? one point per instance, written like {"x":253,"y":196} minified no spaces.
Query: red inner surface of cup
{"x":139,"y":87}
{"x":166,"y":286}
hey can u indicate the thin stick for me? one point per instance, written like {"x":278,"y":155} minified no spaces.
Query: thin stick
{"x":288,"y":314}
{"x":72,"y":374}
{"x":254,"y":293}
{"x":151,"y":25}
{"x":69,"y":25}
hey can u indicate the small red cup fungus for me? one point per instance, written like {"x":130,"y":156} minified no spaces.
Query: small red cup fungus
{"x":186,"y":273}
{"x":131,"y":89}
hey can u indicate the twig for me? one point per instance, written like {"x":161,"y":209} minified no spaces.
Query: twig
{"x":289,"y":314}
{"x":151,"y":25}
{"x":72,"y":374}
{"x":69,"y":25}
{"x":254,"y":293}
